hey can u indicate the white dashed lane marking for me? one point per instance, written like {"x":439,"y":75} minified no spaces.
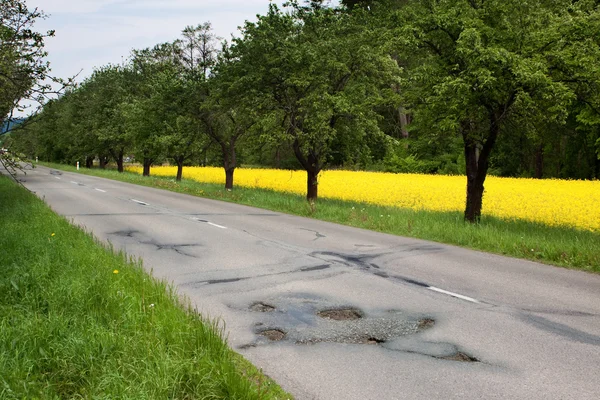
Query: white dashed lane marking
{"x":210,"y":223}
{"x":100,"y":190}
{"x":436,"y":289}
{"x":139,"y":202}
{"x":458,"y":296}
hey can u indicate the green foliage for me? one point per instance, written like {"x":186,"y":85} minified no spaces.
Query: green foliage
{"x":479,"y":67}
{"x":481,"y":58}
{"x":400,"y":160}
{"x":103,"y":99}
{"x":317,"y":75}
{"x":504,"y":87}
{"x":24,"y":72}
{"x":23,"y":68}
{"x":227,"y":110}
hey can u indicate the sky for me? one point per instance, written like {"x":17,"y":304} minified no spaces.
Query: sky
{"x":93,"y":33}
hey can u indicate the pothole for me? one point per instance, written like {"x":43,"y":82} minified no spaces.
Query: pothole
{"x":425,"y":323}
{"x":262,"y":307}
{"x":459,"y":356}
{"x":341,"y":314}
{"x":372,"y":340}
{"x":273,"y":335}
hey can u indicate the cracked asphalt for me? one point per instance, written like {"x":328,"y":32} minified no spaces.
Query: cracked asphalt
{"x":436,"y":321}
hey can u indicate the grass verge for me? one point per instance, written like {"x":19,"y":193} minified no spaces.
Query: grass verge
{"x":80,"y":321}
{"x":561,"y":246}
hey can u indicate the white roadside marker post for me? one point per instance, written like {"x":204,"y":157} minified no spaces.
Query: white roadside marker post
{"x":77,"y":165}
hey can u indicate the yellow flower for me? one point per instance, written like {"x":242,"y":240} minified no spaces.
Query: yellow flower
{"x":116,"y":271}
{"x":52,"y":234}
{"x":550,"y":201}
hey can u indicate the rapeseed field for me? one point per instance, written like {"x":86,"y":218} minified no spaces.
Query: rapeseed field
{"x":550,"y":201}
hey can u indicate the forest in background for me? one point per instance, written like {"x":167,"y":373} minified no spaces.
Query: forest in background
{"x":471,"y":87}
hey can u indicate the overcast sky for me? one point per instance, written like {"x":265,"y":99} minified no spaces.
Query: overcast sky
{"x":93,"y":33}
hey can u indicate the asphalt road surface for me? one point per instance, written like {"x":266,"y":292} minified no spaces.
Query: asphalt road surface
{"x":411,"y":319}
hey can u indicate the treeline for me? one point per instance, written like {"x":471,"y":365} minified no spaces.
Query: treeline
{"x":460,"y":86}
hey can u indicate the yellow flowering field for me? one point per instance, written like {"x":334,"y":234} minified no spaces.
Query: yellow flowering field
{"x":550,"y":201}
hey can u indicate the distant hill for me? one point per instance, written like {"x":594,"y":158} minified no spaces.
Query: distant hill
{"x":10,"y":124}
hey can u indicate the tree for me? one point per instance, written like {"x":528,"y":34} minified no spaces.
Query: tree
{"x":24,"y":72}
{"x":482,"y":64}
{"x":227,"y":111}
{"x":196,"y":53}
{"x":575,"y":59}
{"x":316,"y":74}
{"x":153,"y":104}
{"x":103,"y":99}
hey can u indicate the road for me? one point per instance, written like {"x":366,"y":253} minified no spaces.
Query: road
{"x":411,"y":319}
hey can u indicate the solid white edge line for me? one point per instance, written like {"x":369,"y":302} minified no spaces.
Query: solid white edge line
{"x":139,"y":202}
{"x":218,"y":226}
{"x":100,"y":190}
{"x":458,"y":296}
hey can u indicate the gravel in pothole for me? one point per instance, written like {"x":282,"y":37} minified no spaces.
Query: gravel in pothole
{"x":342,"y":314}
{"x":273,"y":335}
{"x":262,"y":307}
{"x":358,"y":331}
{"x":426,"y":323}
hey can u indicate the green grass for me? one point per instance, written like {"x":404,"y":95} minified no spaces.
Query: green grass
{"x":71,"y":327}
{"x":561,"y":246}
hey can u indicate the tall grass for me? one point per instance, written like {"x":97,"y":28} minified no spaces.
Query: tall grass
{"x":566,"y":247}
{"x":80,"y":321}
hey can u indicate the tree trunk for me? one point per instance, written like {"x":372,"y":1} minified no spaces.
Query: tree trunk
{"x":147,"y":164}
{"x":229,"y":162}
{"x":89,"y":161}
{"x":229,"y":178}
{"x":204,"y":160}
{"x":278,"y":157}
{"x":312,"y":166}
{"x":403,"y":122}
{"x":539,"y":162}
{"x":474,"y":186}
{"x":103,"y":161}
{"x":312,"y":185}
{"x":477,"y":164}
{"x":119,"y":160}
{"x":559,"y":158}
{"x":179,"y":161}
